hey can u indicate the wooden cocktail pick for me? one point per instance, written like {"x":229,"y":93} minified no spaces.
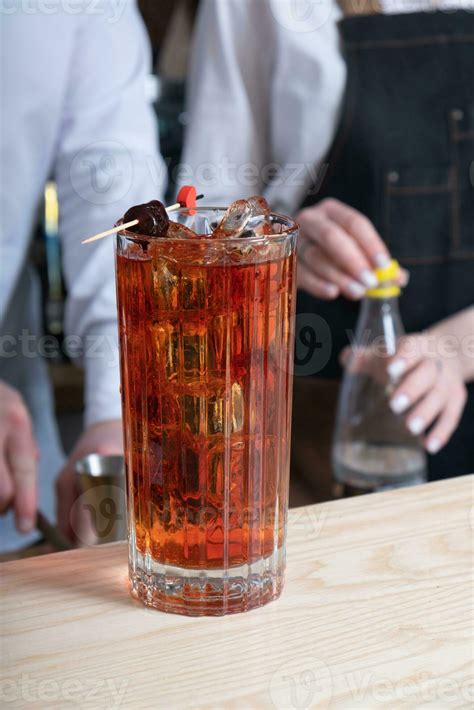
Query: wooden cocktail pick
{"x":108,"y":232}
{"x":186,"y":198}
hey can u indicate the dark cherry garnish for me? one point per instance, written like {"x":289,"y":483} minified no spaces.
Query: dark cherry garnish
{"x":153,"y":220}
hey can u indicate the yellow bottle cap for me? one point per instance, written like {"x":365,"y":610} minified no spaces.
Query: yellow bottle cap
{"x":387,"y":278}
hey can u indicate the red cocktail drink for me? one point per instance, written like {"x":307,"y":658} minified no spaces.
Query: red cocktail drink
{"x":206,"y":326}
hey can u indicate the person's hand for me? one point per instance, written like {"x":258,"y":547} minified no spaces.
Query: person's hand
{"x":18,"y":459}
{"x":104,"y":438}
{"x":426,"y":388}
{"x":429,"y":391}
{"x":338,"y":250}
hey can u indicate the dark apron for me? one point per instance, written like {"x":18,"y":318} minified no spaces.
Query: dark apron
{"x":404,"y":157}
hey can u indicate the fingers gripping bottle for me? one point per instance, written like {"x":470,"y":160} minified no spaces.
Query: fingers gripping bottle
{"x":372,"y":448}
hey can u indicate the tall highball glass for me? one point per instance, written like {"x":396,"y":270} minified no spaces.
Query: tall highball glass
{"x":206,"y":344}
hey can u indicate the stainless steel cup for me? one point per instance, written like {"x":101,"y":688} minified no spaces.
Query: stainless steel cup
{"x":101,"y":481}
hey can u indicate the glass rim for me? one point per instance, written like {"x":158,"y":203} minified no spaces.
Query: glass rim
{"x":292,"y":229}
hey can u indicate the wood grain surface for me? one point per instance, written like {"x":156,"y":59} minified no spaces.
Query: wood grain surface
{"x":377,"y":611}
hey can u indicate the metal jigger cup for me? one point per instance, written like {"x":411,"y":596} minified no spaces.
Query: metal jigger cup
{"x":101,"y":481}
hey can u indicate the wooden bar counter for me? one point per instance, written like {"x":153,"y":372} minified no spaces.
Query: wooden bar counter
{"x":377,"y":611}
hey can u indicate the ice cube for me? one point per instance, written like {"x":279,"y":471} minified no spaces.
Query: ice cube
{"x":216,"y":411}
{"x":192,"y":406}
{"x":238,"y":216}
{"x":235,"y":219}
{"x":179,"y":231}
{"x":258,"y":226}
{"x":166,"y":347}
{"x":165,"y":284}
{"x":202,"y":223}
{"x":215,"y":414}
{"x":208,"y":414}
{"x":259,"y":206}
{"x":193,"y":291}
{"x":237,"y":407}
{"x":204,"y":414}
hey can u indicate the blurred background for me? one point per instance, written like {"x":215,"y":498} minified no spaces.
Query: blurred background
{"x":417,"y":208}
{"x":170,"y":24}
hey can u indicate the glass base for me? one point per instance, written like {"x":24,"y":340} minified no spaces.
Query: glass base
{"x":368,"y":467}
{"x":197,"y":592}
{"x":370,"y":483}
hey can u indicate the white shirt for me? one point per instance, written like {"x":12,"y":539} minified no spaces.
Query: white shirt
{"x":265,"y":91}
{"x":400,"y":6}
{"x":74,"y":106}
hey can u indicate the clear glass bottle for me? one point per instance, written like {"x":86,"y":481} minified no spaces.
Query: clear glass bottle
{"x":372,"y":447}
